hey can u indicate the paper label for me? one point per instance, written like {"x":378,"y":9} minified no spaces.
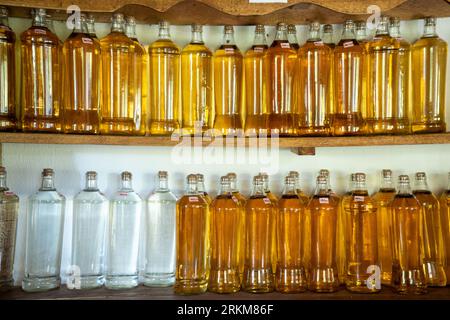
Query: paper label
{"x":87,"y":40}
{"x":267,"y":201}
{"x":234,"y":199}
{"x":358,"y":198}
{"x":193,"y":199}
{"x":318,"y":43}
{"x":324,"y":200}
{"x":348,"y":44}
{"x":229,"y":50}
{"x":258,"y":49}
{"x":285,"y":45}
{"x":9,"y":193}
{"x":40,"y":31}
{"x":123,"y":193}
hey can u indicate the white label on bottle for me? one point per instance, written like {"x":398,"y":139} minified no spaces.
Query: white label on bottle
{"x":285,"y":45}
{"x":87,"y":40}
{"x":9,"y":193}
{"x":267,"y":201}
{"x":229,"y":50}
{"x":193,"y":199}
{"x":348,"y":44}
{"x":40,"y":31}
{"x":234,"y":199}
{"x":123,"y":193}
{"x":318,"y":43}
{"x":258,"y":49}
{"x":358,"y":198}
{"x":324,"y":200}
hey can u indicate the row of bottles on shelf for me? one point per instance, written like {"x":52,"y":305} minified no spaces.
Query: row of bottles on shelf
{"x":117,"y":86}
{"x":260,"y":244}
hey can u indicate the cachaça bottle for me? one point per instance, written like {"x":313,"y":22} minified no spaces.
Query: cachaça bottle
{"x":256,"y":77}
{"x":273,"y":198}
{"x":193,"y":241}
{"x":8,"y":120}
{"x":445,"y":219}
{"x":160,"y":235}
{"x":406,"y":220}
{"x":432,"y":246}
{"x":328,"y":39}
{"x":363,"y":40}
{"x":9,"y":211}
{"x":291,"y":273}
{"x":323,"y":213}
{"x":298,"y":189}
{"x":196,"y":83}
{"x":260,"y":219}
{"x":81,"y":81}
{"x":429,"y":65}
{"x":228,"y":77}
{"x":281,"y":60}
{"x":89,"y":225}
{"x":123,"y":236}
{"x":313,"y":65}
{"x":201,"y":188}
{"x":348,"y":72}
{"x":382,"y":199}
{"x":226,"y":215}
{"x":44,"y":236}
{"x":41,"y":79}
{"x":292,"y":36}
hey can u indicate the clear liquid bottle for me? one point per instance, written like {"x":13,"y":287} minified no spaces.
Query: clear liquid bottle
{"x":123,"y":236}
{"x":44,"y":236}
{"x":193,"y":241}
{"x":226,"y":215}
{"x":432,"y":246}
{"x":444,"y":202}
{"x":89,"y":224}
{"x":160,"y":235}
{"x":81,"y":81}
{"x":429,"y":64}
{"x":406,"y":219}
{"x":228,"y":77}
{"x":328,"y":39}
{"x":260,"y":219}
{"x":164,"y":83}
{"x":41,"y":82}
{"x":201,"y":188}
{"x":9,"y":210}
{"x":313,"y":65}
{"x":383,"y":198}
{"x":348,"y":73}
{"x":363,"y":40}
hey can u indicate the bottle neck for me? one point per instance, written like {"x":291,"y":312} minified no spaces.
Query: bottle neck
{"x":328,"y":37}
{"x":228,"y":38}
{"x":348,"y":34}
{"x":260,"y":39}
{"x":313,"y":35}
{"x":200,"y":187}
{"x":361,"y":35}
{"x":225,"y":189}
{"x":4,"y":21}
{"x":126,"y":185}
{"x":281,"y":35}
{"x":117,"y":27}
{"x":47,"y":184}
{"x":91,"y":28}
{"x":163,"y":185}
{"x":39,"y":21}
{"x":233,"y":186}
{"x":292,"y":37}
{"x":404,"y":188}
{"x":130,"y":31}
{"x":258,"y":190}
{"x":91,"y":185}
{"x":429,"y":31}
{"x":197,"y":37}
{"x":387,"y":183}
{"x":394,"y":31}
{"x":290,"y":189}
{"x":191,"y":189}
{"x":359,"y":186}
{"x":3,"y":186}
{"x":164,"y":33}
{"x":322,"y":189}
{"x":383,"y":29}
{"x":421,"y":185}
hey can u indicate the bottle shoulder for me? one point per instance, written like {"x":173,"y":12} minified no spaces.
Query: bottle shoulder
{"x":425,"y":197}
{"x":314,"y":46}
{"x":428,"y":42}
{"x":116,"y":39}
{"x":7,"y":34}
{"x":124,"y":195}
{"x":349,"y":46}
{"x":39,"y":35}
{"x":195,"y":200}
{"x":8,"y":196}
{"x":90,"y":196}
{"x":228,"y":51}
{"x":158,"y":195}
{"x":196,"y":48}
{"x":50,"y":195}
{"x":164,"y":46}
{"x":81,"y":40}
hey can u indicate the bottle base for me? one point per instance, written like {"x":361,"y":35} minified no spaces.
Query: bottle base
{"x":388,"y":126}
{"x":50,"y":125}
{"x":162,"y":128}
{"x":6,"y":284}
{"x":314,"y":131}
{"x":348,"y":125}
{"x":40,"y":284}
{"x":434,"y":274}
{"x":188,"y":287}
{"x":431,"y":127}
{"x":159,"y":280}
{"x":118,"y":126}
{"x":290,"y":280}
{"x":87,"y":283}
{"x":121,"y":282}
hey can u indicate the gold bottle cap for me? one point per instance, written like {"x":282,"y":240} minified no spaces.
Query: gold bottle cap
{"x":294,"y":174}
{"x":421,"y":176}
{"x":324,"y":172}
{"x":403,"y":178}
{"x":260,"y":28}
{"x":386,"y":173}
{"x":3,"y":11}
{"x":228,"y":29}
{"x":126,"y":176}
{"x":328,"y":28}
{"x":162,"y":174}
{"x":91,"y":175}
{"x":430,"y":21}
{"x":360,"y":177}
{"x":192,"y":178}
{"x":47,"y":172}
{"x":196,"y":27}
{"x":231,"y":175}
{"x":314,"y":26}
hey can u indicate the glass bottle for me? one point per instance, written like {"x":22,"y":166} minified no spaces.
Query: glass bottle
{"x":90,"y":217}
{"x":123,"y":236}
{"x":260,"y":219}
{"x":228,"y":77}
{"x":9,"y":210}
{"x":313,"y":63}
{"x":273,"y":198}
{"x":40,"y":84}
{"x":201,"y":188}
{"x":193,"y":241}
{"x":303,"y":196}
{"x":226,"y":218}
{"x":81,"y":98}
{"x":323,"y":213}
{"x":361,"y":37}
{"x":281,"y":59}
{"x":290,"y":273}
{"x":164,"y":83}
{"x":383,"y":198}
{"x":407,"y":269}
{"x":328,"y":39}
{"x":431,"y":233}
{"x":8,"y":119}
{"x":445,"y":221}
{"x":429,"y":65}
{"x":160,"y":235}
{"x":348,"y":72}
{"x":292,"y":36}
{"x":256,"y":76}
{"x":328,"y":36}
{"x":44,"y":235}
{"x":90,"y":23}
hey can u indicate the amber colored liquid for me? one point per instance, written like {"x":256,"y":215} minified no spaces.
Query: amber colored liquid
{"x":445,"y":221}
{"x":9,"y":209}
{"x":433,"y":246}
{"x":383,"y":199}
{"x":242,"y":203}
{"x":407,"y":269}
{"x":429,"y":59}
{"x":344,"y":206}
{"x":41,"y":83}
{"x":8,"y":120}
{"x":139,"y":87}
{"x":196,"y":84}
{"x":364,"y":85}
{"x":193,"y":245}
{"x":331,"y":83}
{"x":260,"y":219}
{"x":274,"y":200}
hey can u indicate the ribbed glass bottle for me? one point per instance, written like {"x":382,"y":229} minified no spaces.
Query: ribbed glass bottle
{"x":445,"y":220}
{"x":328,"y":39}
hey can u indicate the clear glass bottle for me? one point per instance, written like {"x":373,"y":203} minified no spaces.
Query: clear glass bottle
{"x":41,"y":82}
{"x":406,"y":219}
{"x":164,"y":83}
{"x":9,"y":210}
{"x":292,"y":36}
{"x":429,"y":65}
{"x":44,"y":235}
{"x":328,"y":39}
{"x":313,"y":65}
{"x":123,"y":236}
{"x":228,"y":77}
{"x":432,"y":246}
{"x":90,"y":23}
{"x":303,"y":196}
{"x":81,"y":81}
{"x":201,"y":188}
{"x":328,"y":36}
{"x":160,"y":235}
{"x":362,"y":38}
{"x":90,"y":217}
{"x":193,"y":241}
{"x":444,"y":202}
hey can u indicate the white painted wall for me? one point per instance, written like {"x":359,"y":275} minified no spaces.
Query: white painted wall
{"x":25,"y":162}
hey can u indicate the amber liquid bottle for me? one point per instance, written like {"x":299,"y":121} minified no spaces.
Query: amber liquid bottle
{"x":348,"y":72}
{"x":41,"y":82}
{"x":328,"y":39}
{"x":445,"y":220}
{"x":201,"y":188}
{"x":228,"y":77}
{"x":407,"y":268}
{"x":432,"y":247}
{"x":193,"y":241}
{"x":361,"y":37}
{"x":383,"y":199}
{"x":273,"y":198}
{"x":260,"y":219}
{"x":256,"y":82}
{"x":303,"y":196}
{"x":313,"y":74}
{"x":429,"y":63}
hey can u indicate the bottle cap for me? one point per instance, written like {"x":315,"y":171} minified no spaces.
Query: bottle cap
{"x":349,"y":24}
{"x":289,"y":180}
{"x":47,"y":172}
{"x":196,"y":27}
{"x":281,"y":26}
{"x":387,"y":173}
{"x":224,"y":180}
{"x":291,"y":28}
{"x":232,"y":176}
{"x":430,"y":21}
{"x":258,"y":180}
{"x":91,"y":175}
{"x":395,"y":21}
{"x":421,"y":176}
{"x":294,"y":174}
{"x":403,"y":178}
{"x":126,"y":176}
{"x":360,"y":177}
{"x":162,"y":174}
{"x":2,"y":170}
{"x":264,"y":176}
{"x":314,"y":26}
{"x":200,"y":177}
{"x":324,"y":172}
{"x":353,"y":177}
{"x":130,"y":20}
{"x":192,"y":178}
{"x":3,"y":11}
{"x":321,"y":179}
{"x":90,"y":18}
{"x":328,"y":28}
{"x":228,"y":29}
{"x":118,"y":17}
{"x":39,"y":12}
{"x":260,"y":28}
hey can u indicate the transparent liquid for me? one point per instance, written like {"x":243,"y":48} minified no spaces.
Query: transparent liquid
{"x":9,"y":210}
{"x":7,"y":79}
{"x":445,"y":220}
